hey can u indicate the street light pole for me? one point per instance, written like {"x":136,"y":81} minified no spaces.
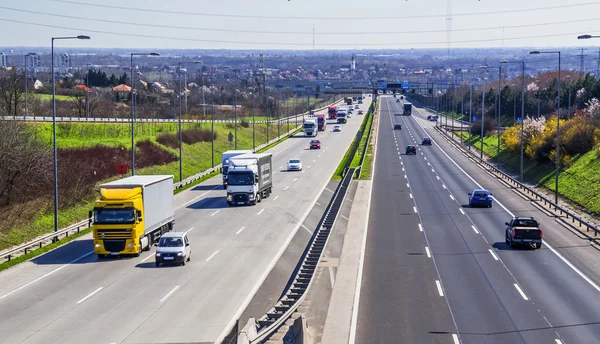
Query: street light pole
{"x":556,"y":169}
{"x":55,"y":162}
{"x":181,"y":92}
{"x":482,"y":112}
{"x":133,"y":109}
{"x":498,"y":115}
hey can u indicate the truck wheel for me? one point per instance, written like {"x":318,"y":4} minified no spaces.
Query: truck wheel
{"x":157,"y":264}
{"x":258,"y":198}
{"x":538,"y":245}
{"x":511,"y":244}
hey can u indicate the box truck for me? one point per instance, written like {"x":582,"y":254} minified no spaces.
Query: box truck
{"x":250,"y":178}
{"x":310,"y":127}
{"x":131,"y":214}
{"x":225,"y":162}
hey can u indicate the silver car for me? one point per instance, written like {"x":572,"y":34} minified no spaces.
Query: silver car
{"x":173,"y":247}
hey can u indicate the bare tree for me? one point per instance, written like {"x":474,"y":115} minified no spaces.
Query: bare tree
{"x":11,"y":90}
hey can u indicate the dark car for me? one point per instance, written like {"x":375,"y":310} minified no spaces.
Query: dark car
{"x":426,"y":141}
{"x":397,"y":100}
{"x":523,"y":230}
{"x":411,"y":150}
{"x":480,"y":198}
{"x":429,"y":117}
{"x":316,"y":144}
{"x":397,"y":126}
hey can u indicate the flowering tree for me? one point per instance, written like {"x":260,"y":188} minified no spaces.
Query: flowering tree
{"x":532,"y":87}
{"x":532,"y":127}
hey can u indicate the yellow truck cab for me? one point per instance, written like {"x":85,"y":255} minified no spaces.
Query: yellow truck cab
{"x":131,"y":214}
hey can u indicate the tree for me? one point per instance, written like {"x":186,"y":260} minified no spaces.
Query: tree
{"x":113,"y":81}
{"x":11,"y":91}
{"x":124,"y":79}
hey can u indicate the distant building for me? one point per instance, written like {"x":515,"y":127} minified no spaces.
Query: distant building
{"x":3,"y":60}
{"x":38,"y":84}
{"x":64,"y":60}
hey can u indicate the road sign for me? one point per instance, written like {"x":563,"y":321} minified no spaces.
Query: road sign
{"x":122,"y":169}
{"x":230,"y":137}
{"x":406,"y":85}
{"x":383,"y":85}
{"x":474,"y":118}
{"x":319,"y":82}
{"x":519,"y":119}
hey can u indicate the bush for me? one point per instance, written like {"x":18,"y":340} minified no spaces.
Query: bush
{"x":229,"y":126}
{"x":511,"y":139}
{"x":490,"y":125}
{"x":244,"y":123}
{"x":577,"y":135}
{"x":168,"y":139}
{"x":192,"y":136}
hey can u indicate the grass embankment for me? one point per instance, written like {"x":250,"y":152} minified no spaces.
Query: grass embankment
{"x":579,"y":183}
{"x":367,"y":168}
{"x":48,"y":97}
{"x":367,"y":120}
{"x":196,"y":158}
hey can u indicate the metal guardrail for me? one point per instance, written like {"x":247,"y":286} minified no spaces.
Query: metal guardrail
{"x":537,"y":196}
{"x":45,"y":239}
{"x":370,"y":130}
{"x":297,"y":291}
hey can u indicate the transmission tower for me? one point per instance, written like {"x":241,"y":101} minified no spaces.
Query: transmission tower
{"x":449,"y":23}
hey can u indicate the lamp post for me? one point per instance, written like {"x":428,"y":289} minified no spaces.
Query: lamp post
{"x":54,"y":160}
{"x":522,"y":112}
{"x":484,"y":68}
{"x":180,"y":114}
{"x":133,"y":109}
{"x":498,"y":115}
{"x":26,"y":77}
{"x":557,"y":122}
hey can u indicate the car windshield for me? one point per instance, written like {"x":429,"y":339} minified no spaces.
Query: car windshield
{"x":481,"y":193}
{"x":170,"y":242}
{"x":240,"y":178}
{"x":294,"y":161}
{"x":426,"y":139}
{"x":525,"y":223}
{"x":115,"y":216}
{"x":315,"y":141}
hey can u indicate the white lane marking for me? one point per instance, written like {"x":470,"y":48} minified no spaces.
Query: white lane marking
{"x":455,"y":338}
{"x":276,"y":197}
{"x":314,"y":161}
{"x":475,"y":229}
{"x":331,"y":278}
{"x":319,"y":156}
{"x":432,"y":170}
{"x":407,"y":185}
{"x":90,"y":295}
{"x":521,"y":292}
{"x":309,"y":166}
{"x":318,"y":203}
{"x":405,"y":177}
{"x":410,"y":195}
{"x":344,"y":217}
{"x":189,"y":230}
{"x":439,"y":287}
{"x":297,"y":178}
{"x":281,"y":167}
{"x":196,"y":198}
{"x":287,"y":187}
{"x":304,"y":171}
{"x":558,"y":341}
{"x":427,"y":251}
{"x":149,"y":256}
{"x":444,"y":186}
{"x":415,"y":209}
{"x":452,"y":197}
{"x":215,"y":213}
{"x":438,"y":177}
{"x":462,"y":211}
{"x":493,"y":254}
{"x":397,"y":148}
{"x":240,"y":230}
{"x":402,"y":168}
{"x":46,"y":275}
{"x":169,"y":294}
{"x":428,"y":164}
{"x":260,"y":212}
{"x":307,"y":229}
{"x":212,"y":256}
{"x":328,"y":190}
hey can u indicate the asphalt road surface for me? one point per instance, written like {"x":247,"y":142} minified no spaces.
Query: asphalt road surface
{"x":69,"y":296}
{"x":438,"y":271}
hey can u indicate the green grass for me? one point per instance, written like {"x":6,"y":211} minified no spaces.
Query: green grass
{"x":367,"y":168}
{"x":280,"y":141}
{"x":579,"y":183}
{"x":48,"y":97}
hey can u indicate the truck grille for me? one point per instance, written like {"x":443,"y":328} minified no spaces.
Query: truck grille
{"x":114,"y":245}
{"x":113,"y":234}
{"x":240,"y":198}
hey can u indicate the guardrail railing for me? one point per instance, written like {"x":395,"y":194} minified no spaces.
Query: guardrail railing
{"x":530,"y":193}
{"x":370,"y":130}
{"x":46,"y":239}
{"x":297,"y":291}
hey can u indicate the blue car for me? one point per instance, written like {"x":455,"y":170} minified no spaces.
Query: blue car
{"x":480,"y":198}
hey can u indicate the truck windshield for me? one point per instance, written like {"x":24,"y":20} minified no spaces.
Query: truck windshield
{"x":309,"y":125}
{"x":240,"y":178}
{"x":110,"y":216}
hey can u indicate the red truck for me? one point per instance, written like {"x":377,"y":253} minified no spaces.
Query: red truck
{"x":332,"y":112}
{"x":321,"y":122}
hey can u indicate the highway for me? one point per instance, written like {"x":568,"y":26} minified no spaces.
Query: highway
{"x":438,"y":271}
{"x":69,"y":296}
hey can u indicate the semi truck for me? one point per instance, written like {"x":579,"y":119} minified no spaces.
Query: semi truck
{"x":225,"y":162}
{"x":348,"y":100}
{"x":341,"y":116}
{"x":321,"y":122}
{"x":250,"y":178}
{"x":131,"y":214}
{"x":407,"y":109}
{"x":310,"y":127}
{"x":332,"y":112}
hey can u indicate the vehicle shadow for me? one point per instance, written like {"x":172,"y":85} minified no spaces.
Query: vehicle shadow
{"x":207,"y":187}
{"x":502,"y":246}
{"x":68,"y":253}
{"x":210,"y":203}
{"x":152,"y":265}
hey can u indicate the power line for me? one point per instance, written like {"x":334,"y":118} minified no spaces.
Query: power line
{"x":281,"y":43}
{"x":318,"y":18}
{"x":297,"y":32}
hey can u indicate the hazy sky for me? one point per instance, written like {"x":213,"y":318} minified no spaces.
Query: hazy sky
{"x":384,"y":24}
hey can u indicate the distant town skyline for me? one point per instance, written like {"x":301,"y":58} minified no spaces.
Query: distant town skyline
{"x":288,"y":25}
